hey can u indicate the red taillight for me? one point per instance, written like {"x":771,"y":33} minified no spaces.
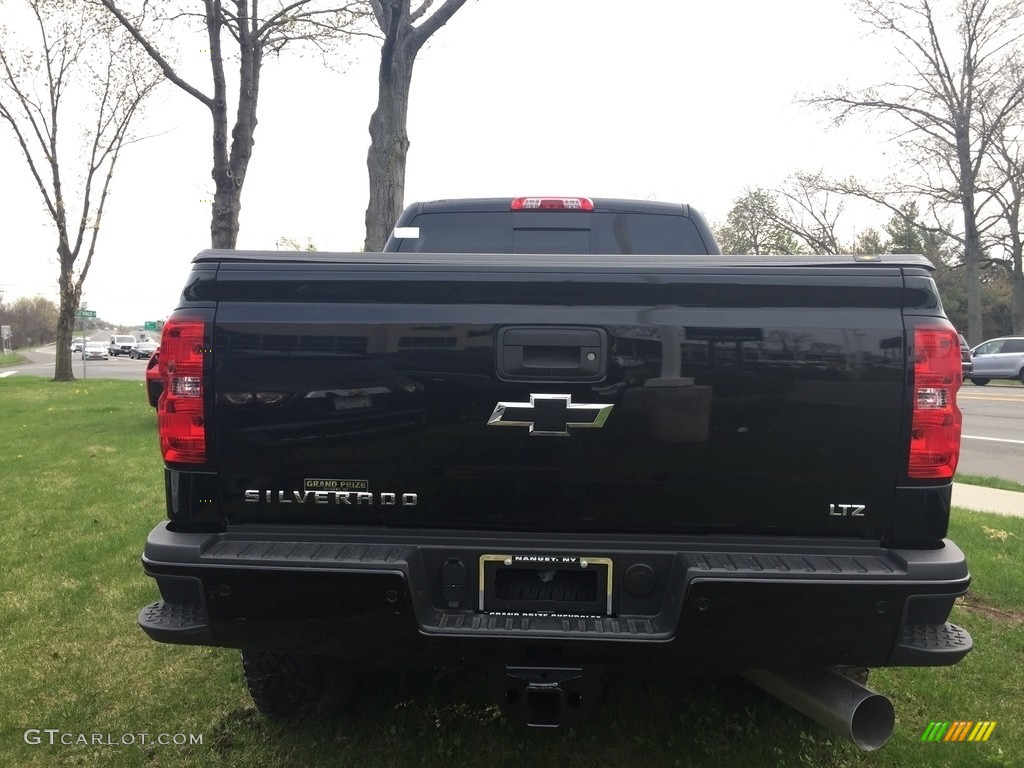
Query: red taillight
{"x":936,"y":423}
{"x":180,"y":412}
{"x":552,"y":204}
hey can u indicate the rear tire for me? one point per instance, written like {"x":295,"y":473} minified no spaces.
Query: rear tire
{"x":1020,"y":376}
{"x":979,"y":381}
{"x":283,"y":684}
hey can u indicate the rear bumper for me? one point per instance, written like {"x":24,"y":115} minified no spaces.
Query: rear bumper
{"x":697,"y":603}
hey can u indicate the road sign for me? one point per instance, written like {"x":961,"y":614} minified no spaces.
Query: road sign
{"x":150,"y":325}
{"x":85,"y":313}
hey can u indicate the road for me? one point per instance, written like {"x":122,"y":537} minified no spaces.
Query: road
{"x":993,"y":434}
{"x":41,"y":362}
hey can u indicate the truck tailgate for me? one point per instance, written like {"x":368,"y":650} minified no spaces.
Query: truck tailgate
{"x":689,"y":398}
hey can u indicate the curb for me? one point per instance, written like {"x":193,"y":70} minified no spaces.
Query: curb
{"x":980,"y":499}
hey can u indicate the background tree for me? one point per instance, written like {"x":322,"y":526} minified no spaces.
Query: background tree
{"x":69,"y":99}
{"x":752,"y":226}
{"x":1007,"y":192}
{"x":405,"y":31}
{"x":811,"y":212}
{"x":956,"y":56}
{"x":32,"y":318}
{"x":296,"y":244}
{"x":904,"y":232}
{"x":239,"y":28}
{"x":869,"y":241}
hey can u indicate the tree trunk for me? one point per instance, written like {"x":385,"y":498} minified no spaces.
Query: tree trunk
{"x":229,"y":168}
{"x":70,"y":294}
{"x":972,"y":240}
{"x":226,"y":188}
{"x":972,"y":272}
{"x":227,"y":206}
{"x":1016,"y":262}
{"x":389,"y":144}
{"x":389,"y":139}
{"x":1017,"y":280}
{"x":1017,"y":310}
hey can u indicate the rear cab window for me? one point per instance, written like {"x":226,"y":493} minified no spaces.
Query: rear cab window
{"x":593,"y":232}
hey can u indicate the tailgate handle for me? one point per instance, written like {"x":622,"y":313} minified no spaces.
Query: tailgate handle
{"x":564,"y":354}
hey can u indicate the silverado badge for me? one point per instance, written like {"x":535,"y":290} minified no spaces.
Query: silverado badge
{"x":550,"y":415}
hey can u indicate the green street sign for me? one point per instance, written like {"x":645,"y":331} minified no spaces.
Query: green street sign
{"x":150,"y":325}
{"x":85,"y":313}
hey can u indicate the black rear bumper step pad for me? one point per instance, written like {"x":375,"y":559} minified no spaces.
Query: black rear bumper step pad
{"x":307,"y":552}
{"x":181,"y":623}
{"x":735,"y":562}
{"x":929,"y":645}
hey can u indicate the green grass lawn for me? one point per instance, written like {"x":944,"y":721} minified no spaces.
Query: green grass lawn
{"x":82,"y":486}
{"x":990,"y":482}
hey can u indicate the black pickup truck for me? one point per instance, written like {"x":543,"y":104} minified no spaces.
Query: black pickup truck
{"x":556,"y":435}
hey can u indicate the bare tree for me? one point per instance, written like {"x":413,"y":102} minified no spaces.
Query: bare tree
{"x":80,"y":68}
{"x":811,"y":212}
{"x":1007,"y":193}
{"x":405,"y":31}
{"x":935,"y":103}
{"x":242,"y":29}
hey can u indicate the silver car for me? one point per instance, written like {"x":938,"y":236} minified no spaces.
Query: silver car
{"x":1001,"y":358}
{"x":95,"y":350}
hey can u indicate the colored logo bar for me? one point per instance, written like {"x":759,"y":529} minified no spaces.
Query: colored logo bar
{"x":959,"y":730}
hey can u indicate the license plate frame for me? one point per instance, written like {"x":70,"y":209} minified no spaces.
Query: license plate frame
{"x":352,"y":403}
{"x":546,"y":585}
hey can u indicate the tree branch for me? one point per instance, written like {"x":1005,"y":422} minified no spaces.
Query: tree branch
{"x":165,"y":66}
{"x":432,"y":23}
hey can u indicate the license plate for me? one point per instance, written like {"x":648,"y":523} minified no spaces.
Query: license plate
{"x":546,"y":585}
{"x":349,"y":403}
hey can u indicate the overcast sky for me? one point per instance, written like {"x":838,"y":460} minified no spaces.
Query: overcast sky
{"x":676,"y":101}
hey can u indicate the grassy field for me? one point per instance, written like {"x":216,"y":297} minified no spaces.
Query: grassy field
{"x":82,"y":485}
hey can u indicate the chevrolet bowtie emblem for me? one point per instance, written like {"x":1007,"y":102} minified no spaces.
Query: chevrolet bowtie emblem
{"x":550,"y":415}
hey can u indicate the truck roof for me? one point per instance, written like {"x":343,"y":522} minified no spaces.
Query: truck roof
{"x":499,"y":204}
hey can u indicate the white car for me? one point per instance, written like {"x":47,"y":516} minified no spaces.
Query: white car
{"x":95,"y":350}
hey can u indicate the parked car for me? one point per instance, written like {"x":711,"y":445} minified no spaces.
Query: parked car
{"x":143,"y":349}
{"x":95,"y":350}
{"x":121,"y":345}
{"x":966,"y":362}
{"x":1001,"y":358}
